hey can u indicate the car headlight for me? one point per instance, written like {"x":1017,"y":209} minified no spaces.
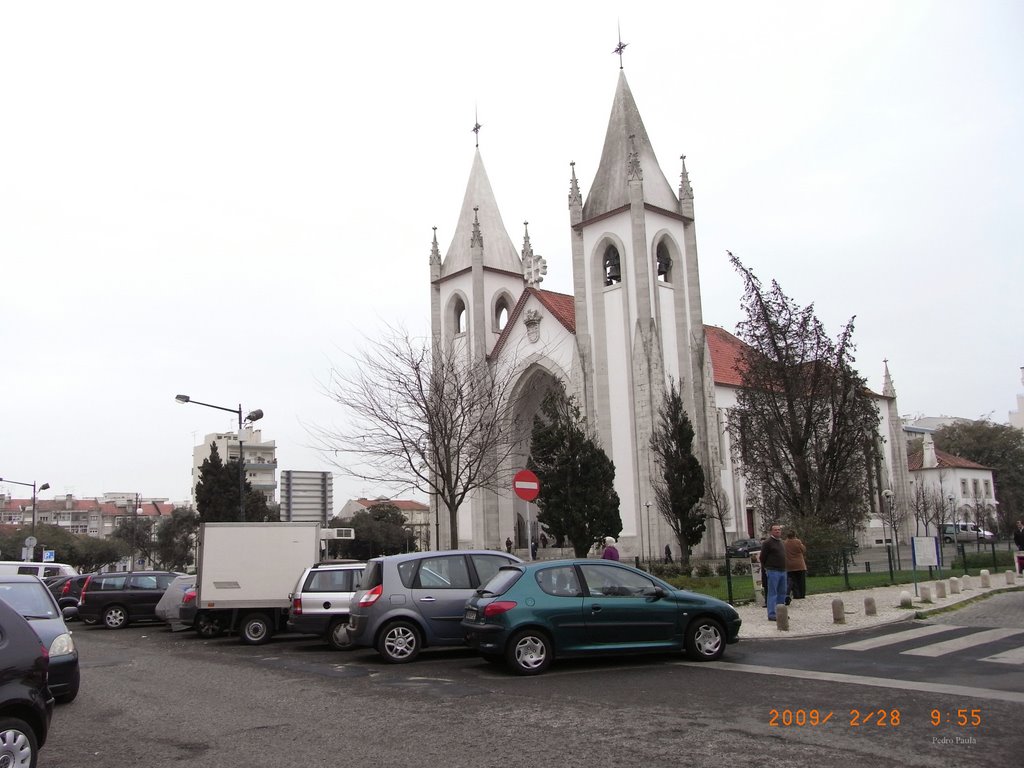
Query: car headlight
{"x":62,"y":645}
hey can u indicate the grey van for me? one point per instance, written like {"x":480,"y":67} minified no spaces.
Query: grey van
{"x":965,"y":532}
{"x":409,"y":602}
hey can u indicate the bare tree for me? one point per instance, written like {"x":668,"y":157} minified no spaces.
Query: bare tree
{"x":430,"y":418}
{"x":804,"y":419}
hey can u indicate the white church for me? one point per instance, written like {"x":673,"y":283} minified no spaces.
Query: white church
{"x":634,"y":320}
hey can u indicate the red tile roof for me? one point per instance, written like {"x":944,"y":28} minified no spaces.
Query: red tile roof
{"x":943,"y":460}
{"x":726,"y":356}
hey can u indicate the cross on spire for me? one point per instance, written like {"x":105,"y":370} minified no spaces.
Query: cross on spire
{"x":476,"y":127}
{"x":620,"y":47}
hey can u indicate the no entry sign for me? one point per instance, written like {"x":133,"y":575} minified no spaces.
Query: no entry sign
{"x":526,"y":485}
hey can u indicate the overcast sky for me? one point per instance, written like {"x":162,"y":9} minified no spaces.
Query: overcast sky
{"x":219,"y":199}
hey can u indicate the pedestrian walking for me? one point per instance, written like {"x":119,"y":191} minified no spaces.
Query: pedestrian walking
{"x":773,"y":564}
{"x":508,"y":545}
{"x":796,"y":568}
{"x":668,"y":554}
{"x":1018,"y":535}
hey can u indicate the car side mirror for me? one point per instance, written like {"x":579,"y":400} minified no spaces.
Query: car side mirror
{"x":69,"y":612}
{"x":657,"y":593}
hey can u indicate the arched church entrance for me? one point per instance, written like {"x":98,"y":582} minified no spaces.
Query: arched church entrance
{"x":536,"y":382}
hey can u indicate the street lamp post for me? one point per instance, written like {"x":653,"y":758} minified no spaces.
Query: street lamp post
{"x":649,"y":555}
{"x":31,"y":485}
{"x":251,"y":417}
{"x":888,"y":494}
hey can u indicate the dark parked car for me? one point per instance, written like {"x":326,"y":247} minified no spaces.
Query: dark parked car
{"x":25,"y":700}
{"x":408,"y":602}
{"x":532,"y":613}
{"x":67,"y":589}
{"x":743,"y":547}
{"x":30,"y":597}
{"x":119,"y":598}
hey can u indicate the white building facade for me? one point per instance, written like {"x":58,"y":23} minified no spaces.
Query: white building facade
{"x":260,"y":459}
{"x":634,"y":321}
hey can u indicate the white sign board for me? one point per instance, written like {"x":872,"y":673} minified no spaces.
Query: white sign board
{"x":925,"y":550}
{"x":48,"y":555}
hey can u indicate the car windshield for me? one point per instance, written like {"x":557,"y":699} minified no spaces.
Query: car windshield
{"x":30,"y":599}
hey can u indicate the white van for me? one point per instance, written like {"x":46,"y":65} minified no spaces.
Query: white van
{"x":42,"y":570}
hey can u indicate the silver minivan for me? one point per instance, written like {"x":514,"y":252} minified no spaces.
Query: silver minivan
{"x":409,"y":602}
{"x":965,"y":532}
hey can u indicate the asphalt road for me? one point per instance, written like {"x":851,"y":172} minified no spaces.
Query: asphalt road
{"x":152,"y":698}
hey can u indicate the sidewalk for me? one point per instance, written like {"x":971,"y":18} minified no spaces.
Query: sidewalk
{"x":813,"y":615}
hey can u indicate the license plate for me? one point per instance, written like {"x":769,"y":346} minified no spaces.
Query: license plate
{"x":471,"y":614}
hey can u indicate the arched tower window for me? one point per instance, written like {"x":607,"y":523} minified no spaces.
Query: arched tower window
{"x":612,"y":266}
{"x":664,"y":263}
{"x":501,"y":313}
{"x":459,"y":316}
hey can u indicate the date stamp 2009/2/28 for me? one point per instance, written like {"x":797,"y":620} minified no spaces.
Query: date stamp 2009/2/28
{"x":966,"y":719}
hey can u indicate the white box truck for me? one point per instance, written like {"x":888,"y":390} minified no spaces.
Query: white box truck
{"x":246,"y":573}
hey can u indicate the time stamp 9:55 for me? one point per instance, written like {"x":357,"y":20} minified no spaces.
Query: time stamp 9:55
{"x":967,"y":719}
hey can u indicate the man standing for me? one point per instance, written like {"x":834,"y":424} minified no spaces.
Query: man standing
{"x":1018,"y":535}
{"x":773,"y":562}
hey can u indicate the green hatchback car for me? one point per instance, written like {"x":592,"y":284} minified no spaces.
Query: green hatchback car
{"x":531,"y":613}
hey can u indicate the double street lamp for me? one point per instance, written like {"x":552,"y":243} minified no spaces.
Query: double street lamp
{"x":250,"y":417}
{"x":31,"y":485}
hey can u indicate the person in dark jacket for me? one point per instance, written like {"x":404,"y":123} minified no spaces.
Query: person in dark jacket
{"x":773,"y":563}
{"x":1018,"y":535}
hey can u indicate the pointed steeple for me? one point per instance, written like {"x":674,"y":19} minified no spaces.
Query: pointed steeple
{"x":610,"y":189}
{"x":480,"y":212}
{"x":888,"y":390}
{"x":575,"y":198}
{"x":685,"y":190}
{"x":435,"y":253}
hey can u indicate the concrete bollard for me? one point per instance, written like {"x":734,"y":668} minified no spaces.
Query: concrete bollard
{"x":782,"y":618}
{"x":838,"y":617}
{"x":940,"y":589}
{"x":986,"y":580}
{"x":966,"y":582}
{"x":954,"y":586}
{"x":926,"y":593}
{"x":1011,"y":578}
{"x":870,"y":609}
{"x":906,"y":601}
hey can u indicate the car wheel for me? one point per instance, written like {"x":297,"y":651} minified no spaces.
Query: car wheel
{"x":705,"y":639}
{"x":256,"y":629}
{"x":399,"y":642}
{"x":90,"y":622}
{"x":529,"y":652}
{"x":115,"y":617}
{"x":208,"y":626}
{"x":19,"y":747}
{"x":338,"y":637}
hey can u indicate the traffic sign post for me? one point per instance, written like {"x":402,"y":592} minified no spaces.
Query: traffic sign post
{"x":527,"y":487}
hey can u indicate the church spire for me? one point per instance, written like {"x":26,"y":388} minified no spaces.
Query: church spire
{"x":575,"y":198}
{"x":610,"y":190}
{"x":476,"y":239}
{"x":480,"y":212}
{"x":888,"y":390}
{"x":435,"y":254}
{"x":685,"y":190}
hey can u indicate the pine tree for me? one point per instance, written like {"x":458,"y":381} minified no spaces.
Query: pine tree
{"x":577,"y":499}
{"x":680,"y":487}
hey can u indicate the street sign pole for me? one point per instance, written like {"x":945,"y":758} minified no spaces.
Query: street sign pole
{"x":527,"y":487}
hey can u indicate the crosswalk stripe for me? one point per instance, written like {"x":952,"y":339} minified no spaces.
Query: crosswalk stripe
{"x":897,"y":637}
{"x":1014,"y":656}
{"x":961,"y":643}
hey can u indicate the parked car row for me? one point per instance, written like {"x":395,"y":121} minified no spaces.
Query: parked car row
{"x":523,"y":614}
